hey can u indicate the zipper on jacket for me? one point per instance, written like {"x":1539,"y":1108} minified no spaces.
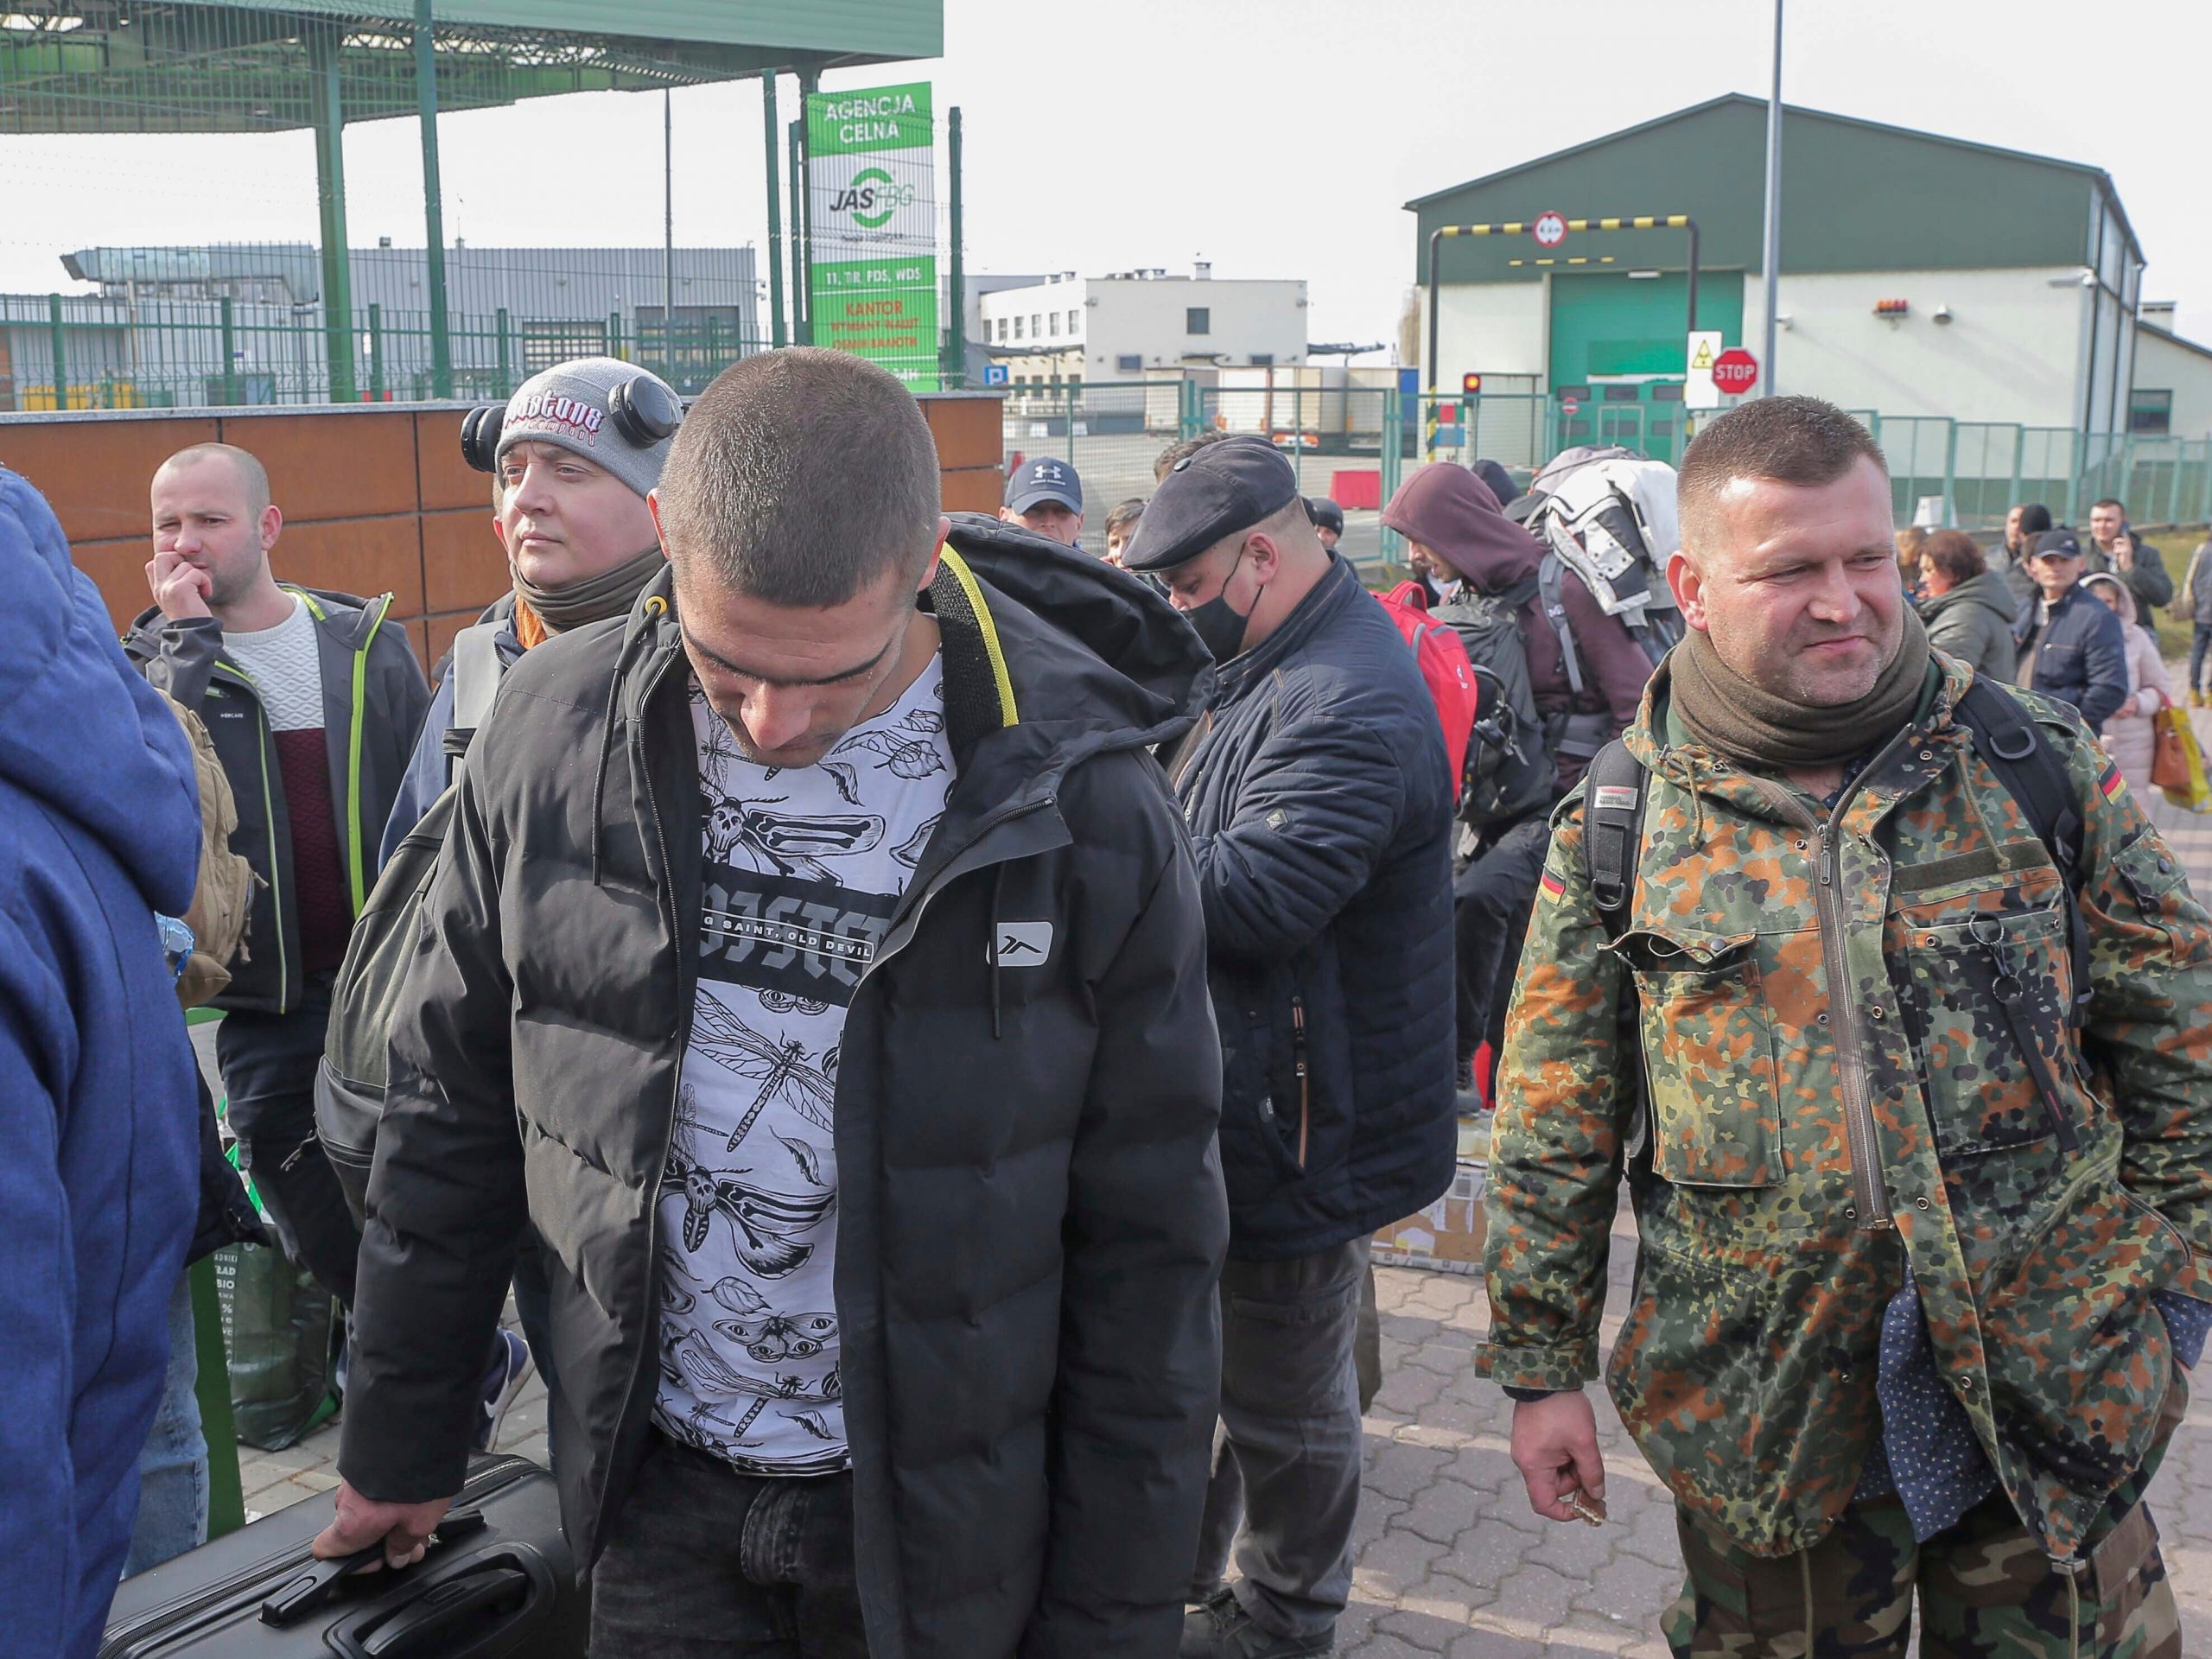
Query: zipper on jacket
{"x":269,"y":824}
{"x":1298,"y":1063}
{"x":1870,"y":1186}
{"x":354,"y":863}
{"x":687,"y":991}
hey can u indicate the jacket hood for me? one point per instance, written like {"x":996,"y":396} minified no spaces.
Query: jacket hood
{"x":1989,"y":590}
{"x":80,"y":730}
{"x":345,"y":617}
{"x":1088,"y":646}
{"x":1448,"y":509}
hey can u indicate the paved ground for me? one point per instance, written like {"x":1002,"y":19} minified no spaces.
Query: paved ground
{"x":1450,"y":1560}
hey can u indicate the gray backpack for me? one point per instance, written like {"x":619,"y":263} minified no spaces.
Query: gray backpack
{"x":349,"y":1081}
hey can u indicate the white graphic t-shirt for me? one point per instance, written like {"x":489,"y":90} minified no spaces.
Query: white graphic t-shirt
{"x":804,"y":869}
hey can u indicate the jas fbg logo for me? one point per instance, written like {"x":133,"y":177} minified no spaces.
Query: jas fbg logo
{"x":872,"y":198}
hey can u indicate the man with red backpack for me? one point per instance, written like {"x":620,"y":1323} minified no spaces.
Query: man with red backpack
{"x":1454,"y":522}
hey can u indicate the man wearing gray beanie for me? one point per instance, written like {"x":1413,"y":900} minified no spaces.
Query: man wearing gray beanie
{"x":573,"y":455}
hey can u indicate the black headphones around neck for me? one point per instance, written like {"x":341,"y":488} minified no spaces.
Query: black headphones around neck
{"x":642,"y":410}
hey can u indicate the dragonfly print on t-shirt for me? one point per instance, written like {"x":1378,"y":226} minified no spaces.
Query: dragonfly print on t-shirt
{"x":803,"y":869}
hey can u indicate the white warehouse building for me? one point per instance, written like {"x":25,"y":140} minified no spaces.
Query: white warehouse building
{"x":1138,"y":324}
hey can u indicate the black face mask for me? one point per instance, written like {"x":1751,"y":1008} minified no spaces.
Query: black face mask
{"x":1220,"y":629}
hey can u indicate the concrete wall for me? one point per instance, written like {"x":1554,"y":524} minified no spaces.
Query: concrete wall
{"x":375,"y":499}
{"x":1488,"y":328}
{"x":2012,"y":351}
{"x":2166,"y":365}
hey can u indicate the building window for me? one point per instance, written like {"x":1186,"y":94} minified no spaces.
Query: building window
{"x":1001,"y":328}
{"x":1017,"y":327}
{"x":2150,"y":411}
{"x":1129,"y":363}
{"x":1198,"y":320}
{"x":1263,"y":359}
{"x":1036,"y":324}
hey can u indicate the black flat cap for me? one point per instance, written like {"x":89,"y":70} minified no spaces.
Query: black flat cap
{"x":1213,"y":492}
{"x":2056,"y":544}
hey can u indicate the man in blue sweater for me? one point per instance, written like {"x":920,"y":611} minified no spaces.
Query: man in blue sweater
{"x":100,"y":829}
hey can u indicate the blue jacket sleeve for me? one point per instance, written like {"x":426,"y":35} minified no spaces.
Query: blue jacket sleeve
{"x":1319,"y":804}
{"x":39,"y":1541}
{"x":2104,"y":660}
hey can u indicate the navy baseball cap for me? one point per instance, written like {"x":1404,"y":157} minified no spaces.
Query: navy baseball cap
{"x":2056,"y":544}
{"x":1325,"y":513}
{"x":1213,"y":492}
{"x":1047,"y":479}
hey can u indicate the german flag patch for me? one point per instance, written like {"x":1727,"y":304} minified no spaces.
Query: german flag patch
{"x":2111,"y":783}
{"x":1552,"y":885}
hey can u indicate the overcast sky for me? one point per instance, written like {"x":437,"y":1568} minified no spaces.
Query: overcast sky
{"x":1274,"y":137}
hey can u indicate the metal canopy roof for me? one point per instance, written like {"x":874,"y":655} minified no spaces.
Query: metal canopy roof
{"x":252,"y":66}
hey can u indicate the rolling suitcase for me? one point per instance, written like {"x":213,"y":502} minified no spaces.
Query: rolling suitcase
{"x":499,"y":1581}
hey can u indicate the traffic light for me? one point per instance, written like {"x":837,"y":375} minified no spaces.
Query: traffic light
{"x":1471,"y":384}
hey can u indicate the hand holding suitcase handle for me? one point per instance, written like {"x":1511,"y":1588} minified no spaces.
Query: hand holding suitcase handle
{"x":400,"y":1529}
{"x":313,"y":1585}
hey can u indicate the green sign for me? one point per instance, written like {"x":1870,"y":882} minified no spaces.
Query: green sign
{"x":872,"y":223}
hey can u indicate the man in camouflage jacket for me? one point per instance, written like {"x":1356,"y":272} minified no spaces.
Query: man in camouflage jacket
{"x":1911,"y":1302}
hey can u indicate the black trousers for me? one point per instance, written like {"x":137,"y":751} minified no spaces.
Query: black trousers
{"x":1492,"y":901}
{"x":703,"y":1562}
{"x":268,"y":1062}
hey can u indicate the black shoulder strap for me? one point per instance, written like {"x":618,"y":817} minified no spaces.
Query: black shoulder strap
{"x":1550,"y":579}
{"x":1612,"y":831}
{"x":2006,"y":737}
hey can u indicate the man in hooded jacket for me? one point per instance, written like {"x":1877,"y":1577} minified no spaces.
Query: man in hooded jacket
{"x":1452,"y":519}
{"x":100,"y":829}
{"x":816,"y":975}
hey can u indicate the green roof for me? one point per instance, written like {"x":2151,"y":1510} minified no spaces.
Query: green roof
{"x":250,"y":66}
{"x":1857,"y":196}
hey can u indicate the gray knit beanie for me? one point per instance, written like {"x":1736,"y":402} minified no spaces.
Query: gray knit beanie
{"x":569,"y":405}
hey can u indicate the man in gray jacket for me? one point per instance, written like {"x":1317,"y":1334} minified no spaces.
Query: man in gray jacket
{"x":816,"y":975}
{"x":2196,"y":605}
{"x":1969,"y":610}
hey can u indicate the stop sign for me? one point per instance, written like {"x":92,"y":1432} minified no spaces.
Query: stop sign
{"x":1735,"y":371}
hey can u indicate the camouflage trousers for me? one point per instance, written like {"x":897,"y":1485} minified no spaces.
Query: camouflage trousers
{"x":1986,"y":1589}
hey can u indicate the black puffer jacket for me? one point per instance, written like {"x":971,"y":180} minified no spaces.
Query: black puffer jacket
{"x":1321,"y":814}
{"x":1031,"y":1212}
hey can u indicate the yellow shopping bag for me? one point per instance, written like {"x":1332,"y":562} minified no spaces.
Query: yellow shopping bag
{"x":2177,"y":762}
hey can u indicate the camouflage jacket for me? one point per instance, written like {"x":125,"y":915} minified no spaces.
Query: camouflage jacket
{"x":1835,"y":1092}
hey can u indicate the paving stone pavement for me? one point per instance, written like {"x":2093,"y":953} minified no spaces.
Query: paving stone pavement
{"x":1450,"y":1560}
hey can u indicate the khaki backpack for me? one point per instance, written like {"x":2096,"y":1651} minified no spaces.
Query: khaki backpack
{"x":225,"y":890}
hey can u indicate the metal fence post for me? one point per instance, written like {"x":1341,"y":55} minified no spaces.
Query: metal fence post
{"x":1393,"y":459}
{"x":1950,"y":473}
{"x":615,"y":335}
{"x":507,"y":380}
{"x":376,"y":353}
{"x":230,"y":353}
{"x":60,"y":358}
{"x":1070,"y":410}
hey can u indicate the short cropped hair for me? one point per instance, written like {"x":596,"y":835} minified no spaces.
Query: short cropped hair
{"x":2112,"y":501}
{"x":1175,"y":452}
{"x":799,"y":477}
{"x":1124,"y":516}
{"x":1956,"y":554}
{"x":1802,"y":440}
{"x":251,"y":473}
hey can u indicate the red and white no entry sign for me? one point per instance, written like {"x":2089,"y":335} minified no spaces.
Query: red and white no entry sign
{"x":1549,"y":230}
{"x":1570,"y":406}
{"x":1735,"y":371}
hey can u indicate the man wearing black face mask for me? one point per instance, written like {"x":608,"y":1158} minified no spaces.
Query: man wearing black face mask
{"x":1316,"y":792}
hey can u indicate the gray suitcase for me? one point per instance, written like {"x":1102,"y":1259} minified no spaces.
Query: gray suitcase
{"x":499,"y":1582}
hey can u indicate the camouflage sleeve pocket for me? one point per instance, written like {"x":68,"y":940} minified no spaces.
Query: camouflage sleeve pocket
{"x":1708,"y":1050}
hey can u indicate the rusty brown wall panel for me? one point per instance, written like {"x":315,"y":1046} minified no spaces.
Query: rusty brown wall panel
{"x":332,"y":466}
{"x":462,"y":565}
{"x":365,"y":556}
{"x":98,"y":474}
{"x":967,"y":430}
{"x":442,"y":478}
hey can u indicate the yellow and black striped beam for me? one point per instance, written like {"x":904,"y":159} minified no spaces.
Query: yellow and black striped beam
{"x":1522,"y":227}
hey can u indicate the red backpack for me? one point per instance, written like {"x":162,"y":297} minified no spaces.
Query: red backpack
{"x":1447,"y":673}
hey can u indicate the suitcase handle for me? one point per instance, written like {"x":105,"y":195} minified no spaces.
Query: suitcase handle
{"x":314,"y":1585}
{"x":497,"y":1589}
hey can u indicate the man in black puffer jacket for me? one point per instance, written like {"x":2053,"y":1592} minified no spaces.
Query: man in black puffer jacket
{"x":1316,"y":791}
{"x":816,"y":973}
